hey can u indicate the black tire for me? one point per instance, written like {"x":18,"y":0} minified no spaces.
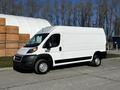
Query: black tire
{"x":39,"y":69}
{"x":96,"y":61}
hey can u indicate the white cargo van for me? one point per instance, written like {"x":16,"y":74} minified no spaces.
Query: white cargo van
{"x":61,"y":45}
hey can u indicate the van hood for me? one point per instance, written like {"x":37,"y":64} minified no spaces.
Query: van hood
{"x":23,"y":51}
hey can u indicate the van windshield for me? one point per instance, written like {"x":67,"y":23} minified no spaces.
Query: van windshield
{"x":36,"y":40}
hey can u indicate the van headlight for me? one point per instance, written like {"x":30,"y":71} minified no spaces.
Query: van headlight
{"x":32,"y":50}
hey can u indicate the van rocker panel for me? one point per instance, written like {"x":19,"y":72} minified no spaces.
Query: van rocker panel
{"x":73,"y":59}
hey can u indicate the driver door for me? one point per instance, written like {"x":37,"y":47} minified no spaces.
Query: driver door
{"x":53,"y":46}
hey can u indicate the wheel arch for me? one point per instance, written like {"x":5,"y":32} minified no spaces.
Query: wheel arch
{"x":47,"y":57}
{"x":99,"y":53}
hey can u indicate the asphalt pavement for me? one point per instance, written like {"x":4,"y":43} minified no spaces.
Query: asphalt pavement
{"x":75,"y":77}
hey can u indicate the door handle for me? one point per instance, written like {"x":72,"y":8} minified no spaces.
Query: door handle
{"x":60,"y":48}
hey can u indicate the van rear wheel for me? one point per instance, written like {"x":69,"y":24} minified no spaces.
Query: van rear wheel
{"x":41,"y":66}
{"x":96,"y":61}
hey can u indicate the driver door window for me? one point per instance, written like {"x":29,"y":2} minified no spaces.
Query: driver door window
{"x":53,"y":41}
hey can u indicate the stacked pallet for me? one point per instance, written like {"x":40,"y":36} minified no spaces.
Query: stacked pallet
{"x":10,"y":39}
{"x":23,"y":38}
{"x":2,"y":36}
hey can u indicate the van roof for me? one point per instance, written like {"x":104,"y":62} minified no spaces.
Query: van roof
{"x":46,"y":30}
{"x":70,"y":29}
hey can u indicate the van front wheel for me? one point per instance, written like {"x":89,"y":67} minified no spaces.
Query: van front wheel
{"x":96,"y":61}
{"x":41,"y":66}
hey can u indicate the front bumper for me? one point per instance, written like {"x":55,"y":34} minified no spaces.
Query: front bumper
{"x":24,"y":62}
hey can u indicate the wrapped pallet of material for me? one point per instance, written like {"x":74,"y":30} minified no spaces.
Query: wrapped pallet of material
{"x":2,"y":21}
{"x":2,"y":29}
{"x":12,"y":45}
{"x":12,"y":30}
{"x":21,"y":45}
{"x":23,"y":38}
{"x":10,"y":52}
{"x":2,"y":45}
{"x":12,"y":37}
{"x":2,"y":52}
{"x":2,"y":38}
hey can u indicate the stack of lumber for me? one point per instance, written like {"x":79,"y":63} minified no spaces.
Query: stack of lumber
{"x":23,"y":38}
{"x":2,"y":36}
{"x":10,"y":39}
{"x":2,"y":22}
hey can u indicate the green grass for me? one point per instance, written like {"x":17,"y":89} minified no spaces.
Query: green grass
{"x":113,"y":55}
{"x":7,"y":61}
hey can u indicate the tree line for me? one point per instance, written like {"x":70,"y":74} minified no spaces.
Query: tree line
{"x":85,"y":13}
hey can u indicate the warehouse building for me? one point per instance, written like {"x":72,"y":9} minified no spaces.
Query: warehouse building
{"x":26,"y":24}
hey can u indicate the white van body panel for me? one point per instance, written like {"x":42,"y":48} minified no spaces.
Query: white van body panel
{"x":26,"y":25}
{"x":76,"y":42}
{"x":80,"y":42}
{"x":23,"y":51}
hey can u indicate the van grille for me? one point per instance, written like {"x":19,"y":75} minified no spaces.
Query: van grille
{"x":18,"y":58}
